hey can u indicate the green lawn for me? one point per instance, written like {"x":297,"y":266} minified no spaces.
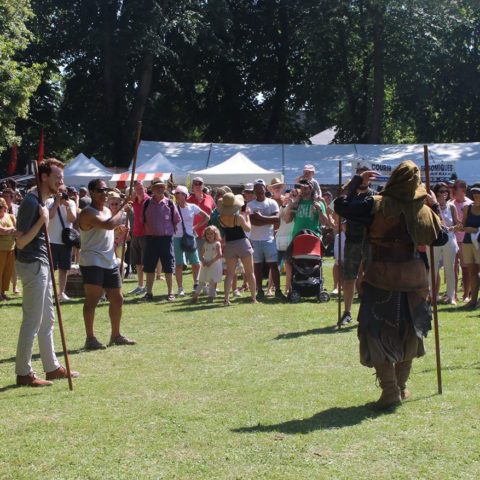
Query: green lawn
{"x":268,"y":391}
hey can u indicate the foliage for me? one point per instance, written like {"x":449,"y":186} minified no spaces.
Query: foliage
{"x":253,"y":71}
{"x":267,"y":391}
{"x":18,"y":81}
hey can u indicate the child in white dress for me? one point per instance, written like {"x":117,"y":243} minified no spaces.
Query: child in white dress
{"x":210,"y":263}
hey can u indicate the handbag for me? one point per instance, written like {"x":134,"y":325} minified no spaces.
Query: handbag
{"x":70,"y":236}
{"x":188,"y":243}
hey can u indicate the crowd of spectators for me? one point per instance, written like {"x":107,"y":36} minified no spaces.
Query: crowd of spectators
{"x":252,"y":230}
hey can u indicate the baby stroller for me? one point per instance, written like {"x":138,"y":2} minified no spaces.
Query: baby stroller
{"x":306,"y":258}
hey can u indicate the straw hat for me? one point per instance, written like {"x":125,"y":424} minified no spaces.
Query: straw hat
{"x":275,"y":182}
{"x":230,"y":204}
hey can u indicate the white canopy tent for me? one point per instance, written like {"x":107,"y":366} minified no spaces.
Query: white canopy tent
{"x":83,"y":169}
{"x":290,"y":159}
{"x":237,"y":170}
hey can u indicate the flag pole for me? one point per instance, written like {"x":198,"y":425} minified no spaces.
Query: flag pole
{"x":52,"y":272}
{"x":132,"y":179}
{"x":433,"y":282}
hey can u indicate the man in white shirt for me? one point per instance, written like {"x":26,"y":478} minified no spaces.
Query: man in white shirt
{"x":61,"y":253}
{"x":264,"y":215}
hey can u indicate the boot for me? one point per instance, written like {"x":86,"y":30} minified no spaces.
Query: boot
{"x":402,"y":371}
{"x":388,"y":382}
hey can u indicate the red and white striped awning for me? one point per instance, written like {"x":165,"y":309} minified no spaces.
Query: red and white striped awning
{"x":122,"y":180}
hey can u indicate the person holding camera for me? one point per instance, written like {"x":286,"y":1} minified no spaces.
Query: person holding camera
{"x":62,"y":214}
{"x":307,"y":213}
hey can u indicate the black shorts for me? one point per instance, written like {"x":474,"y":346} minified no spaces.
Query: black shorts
{"x":158,"y":248}
{"x":62,"y":256}
{"x":103,"y":277}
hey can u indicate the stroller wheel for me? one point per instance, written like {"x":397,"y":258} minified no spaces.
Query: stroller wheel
{"x":294,"y":296}
{"x":323,"y":296}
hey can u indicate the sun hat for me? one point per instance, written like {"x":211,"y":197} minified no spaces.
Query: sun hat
{"x":181,"y":189}
{"x":308,"y":168}
{"x":157,"y":181}
{"x":274,"y":183}
{"x":230,"y":204}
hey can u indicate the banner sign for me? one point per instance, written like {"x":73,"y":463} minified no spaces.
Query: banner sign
{"x":439,"y":171}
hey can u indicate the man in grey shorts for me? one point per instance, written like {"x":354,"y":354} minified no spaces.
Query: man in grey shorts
{"x":356,"y":253}
{"x":137,"y":245}
{"x":33,"y":268}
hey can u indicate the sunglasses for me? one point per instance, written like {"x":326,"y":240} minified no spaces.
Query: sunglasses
{"x":102,"y":189}
{"x":197,"y":184}
{"x":443,"y":191}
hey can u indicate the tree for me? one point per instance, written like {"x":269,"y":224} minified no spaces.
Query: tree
{"x":18,"y":80}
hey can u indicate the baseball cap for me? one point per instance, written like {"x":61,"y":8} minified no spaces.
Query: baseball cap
{"x":260,"y":181}
{"x":181,"y":189}
{"x":308,"y":167}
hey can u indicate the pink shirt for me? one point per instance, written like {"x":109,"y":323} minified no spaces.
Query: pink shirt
{"x":459,"y":206}
{"x":158,"y":218}
{"x":138,"y":227}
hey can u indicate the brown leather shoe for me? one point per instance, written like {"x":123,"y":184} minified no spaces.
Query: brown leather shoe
{"x":121,"y":340}
{"x":61,"y":372}
{"x":31,"y":380}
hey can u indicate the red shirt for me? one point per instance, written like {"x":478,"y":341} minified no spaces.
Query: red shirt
{"x":207,"y":204}
{"x":138,"y":226}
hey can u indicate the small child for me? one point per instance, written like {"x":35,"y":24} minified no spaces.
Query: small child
{"x":210,"y":263}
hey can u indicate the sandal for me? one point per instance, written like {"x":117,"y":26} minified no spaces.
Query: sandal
{"x":171,"y":297}
{"x":227,"y":302}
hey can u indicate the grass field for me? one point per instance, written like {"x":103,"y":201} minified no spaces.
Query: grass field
{"x":268,"y":391}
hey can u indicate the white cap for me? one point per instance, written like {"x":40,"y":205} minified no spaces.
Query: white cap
{"x":181,"y":189}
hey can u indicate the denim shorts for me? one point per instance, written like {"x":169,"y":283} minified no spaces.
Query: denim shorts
{"x":264,"y":251}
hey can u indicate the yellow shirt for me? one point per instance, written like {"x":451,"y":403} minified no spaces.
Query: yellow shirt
{"x":7,"y":242}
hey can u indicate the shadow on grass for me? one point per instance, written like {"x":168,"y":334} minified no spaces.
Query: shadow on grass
{"x":332,"y":418}
{"x":315,"y":331}
{"x":475,"y":365}
{"x":36,"y":356}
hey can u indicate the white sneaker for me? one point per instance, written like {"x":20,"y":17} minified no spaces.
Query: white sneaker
{"x":65,"y":298}
{"x":335,"y":291}
{"x":181,"y":292}
{"x":137,"y":290}
{"x":236,"y":293}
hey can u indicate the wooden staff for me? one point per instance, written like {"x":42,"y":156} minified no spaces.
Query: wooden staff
{"x":433,"y":281}
{"x":132,"y":179}
{"x":339,"y":249}
{"x":52,"y":274}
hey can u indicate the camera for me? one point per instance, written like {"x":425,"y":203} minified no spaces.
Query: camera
{"x":64,"y":196}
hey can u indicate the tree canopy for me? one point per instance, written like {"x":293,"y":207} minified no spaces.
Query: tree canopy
{"x":252,"y":71}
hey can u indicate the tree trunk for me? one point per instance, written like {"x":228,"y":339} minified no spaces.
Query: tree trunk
{"x":378,"y":76}
{"x":126,"y":142}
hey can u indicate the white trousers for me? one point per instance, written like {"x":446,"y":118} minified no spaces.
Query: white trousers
{"x":38,"y":317}
{"x":446,"y":253}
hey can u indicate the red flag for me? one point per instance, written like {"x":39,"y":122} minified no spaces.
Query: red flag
{"x":13,"y":160}
{"x":40,"y":149}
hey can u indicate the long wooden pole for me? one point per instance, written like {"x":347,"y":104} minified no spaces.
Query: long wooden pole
{"x":54,"y":284}
{"x":132,"y":179}
{"x":340,"y":274}
{"x":433,"y":282}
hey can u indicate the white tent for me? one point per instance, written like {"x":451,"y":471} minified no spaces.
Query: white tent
{"x":83,"y":169}
{"x":237,"y":170}
{"x":122,"y":180}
